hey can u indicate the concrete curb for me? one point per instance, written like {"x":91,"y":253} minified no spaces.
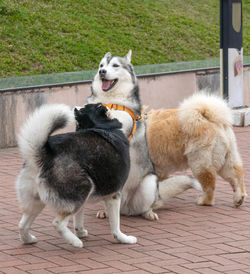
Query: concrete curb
{"x":241,"y":117}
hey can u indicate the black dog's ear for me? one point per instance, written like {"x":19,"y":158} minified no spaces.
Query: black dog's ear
{"x":102,"y":109}
{"x":76,"y":113}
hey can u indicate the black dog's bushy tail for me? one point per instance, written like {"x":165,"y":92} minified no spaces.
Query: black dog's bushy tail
{"x":35,"y":132}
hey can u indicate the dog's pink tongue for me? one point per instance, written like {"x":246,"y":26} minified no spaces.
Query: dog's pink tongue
{"x":106,"y":84}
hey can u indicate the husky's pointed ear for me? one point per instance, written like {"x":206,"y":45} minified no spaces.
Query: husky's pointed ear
{"x":108,"y":54}
{"x":128,"y":56}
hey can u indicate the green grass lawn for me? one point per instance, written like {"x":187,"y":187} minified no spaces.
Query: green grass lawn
{"x":48,"y":36}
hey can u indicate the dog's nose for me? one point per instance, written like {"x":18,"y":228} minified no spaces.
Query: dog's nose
{"x":102,"y":72}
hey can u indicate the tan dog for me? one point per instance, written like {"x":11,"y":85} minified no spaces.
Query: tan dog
{"x":198,"y":136}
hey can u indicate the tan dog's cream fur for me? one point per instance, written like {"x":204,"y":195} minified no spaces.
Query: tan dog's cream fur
{"x":198,"y":136}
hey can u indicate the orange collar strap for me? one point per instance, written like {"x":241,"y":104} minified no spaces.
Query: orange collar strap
{"x":130,"y":112}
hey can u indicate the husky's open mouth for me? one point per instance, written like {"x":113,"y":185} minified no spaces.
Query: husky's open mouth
{"x":108,"y":84}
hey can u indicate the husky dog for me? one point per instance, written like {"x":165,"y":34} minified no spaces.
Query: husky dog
{"x":115,"y":85}
{"x":66,"y":170}
{"x":198,"y":135}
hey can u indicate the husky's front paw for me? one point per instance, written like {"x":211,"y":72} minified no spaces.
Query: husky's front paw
{"x":130,"y":240}
{"x":124,"y":239}
{"x":150,"y":215}
{"x":102,"y":214}
{"x":76,"y":243}
{"x":28,"y":239}
{"x":81,"y":233}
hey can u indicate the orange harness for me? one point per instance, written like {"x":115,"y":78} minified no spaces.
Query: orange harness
{"x":130,"y":112}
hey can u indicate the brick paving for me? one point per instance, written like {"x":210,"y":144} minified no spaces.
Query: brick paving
{"x":187,"y":238}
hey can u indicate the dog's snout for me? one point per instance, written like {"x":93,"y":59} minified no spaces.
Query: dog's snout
{"x":102,"y":71}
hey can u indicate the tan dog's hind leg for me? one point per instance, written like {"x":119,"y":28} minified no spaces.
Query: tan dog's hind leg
{"x":234,"y":175}
{"x":207,"y":179}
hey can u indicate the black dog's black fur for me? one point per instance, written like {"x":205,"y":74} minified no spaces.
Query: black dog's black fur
{"x":96,"y":154}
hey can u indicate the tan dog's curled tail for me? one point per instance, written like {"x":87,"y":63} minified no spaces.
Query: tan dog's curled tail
{"x":198,"y":111}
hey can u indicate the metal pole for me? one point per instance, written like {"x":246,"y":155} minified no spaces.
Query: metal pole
{"x":231,"y":51}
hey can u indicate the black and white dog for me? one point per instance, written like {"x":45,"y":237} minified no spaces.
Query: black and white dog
{"x":65,"y":170}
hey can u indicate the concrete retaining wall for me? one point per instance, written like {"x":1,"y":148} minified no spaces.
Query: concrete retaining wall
{"x":164,"y":91}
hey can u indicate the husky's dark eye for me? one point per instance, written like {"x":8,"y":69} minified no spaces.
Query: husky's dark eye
{"x":101,"y":65}
{"x":115,"y":65}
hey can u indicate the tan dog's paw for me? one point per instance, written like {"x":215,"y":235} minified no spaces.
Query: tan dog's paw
{"x":101,"y":214}
{"x":204,"y":201}
{"x":239,"y":202}
{"x":150,"y":215}
{"x":239,"y":198}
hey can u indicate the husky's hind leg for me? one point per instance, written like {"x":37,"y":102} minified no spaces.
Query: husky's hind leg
{"x":148,"y":197}
{"x":61,"y":225}
{"x":141,"y":199}
{"x":28,"y":218}
{"x":101,"y":214}
{"x":79,"y":224}
{"x":145,"y":196}
{"x":174,"y":186}
{"x":113,"y":207}
{"x":30,"y":203}
{"x":62,"y":218}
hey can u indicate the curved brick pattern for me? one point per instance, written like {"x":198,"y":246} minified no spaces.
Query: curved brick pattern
{"x":186,"y":239}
